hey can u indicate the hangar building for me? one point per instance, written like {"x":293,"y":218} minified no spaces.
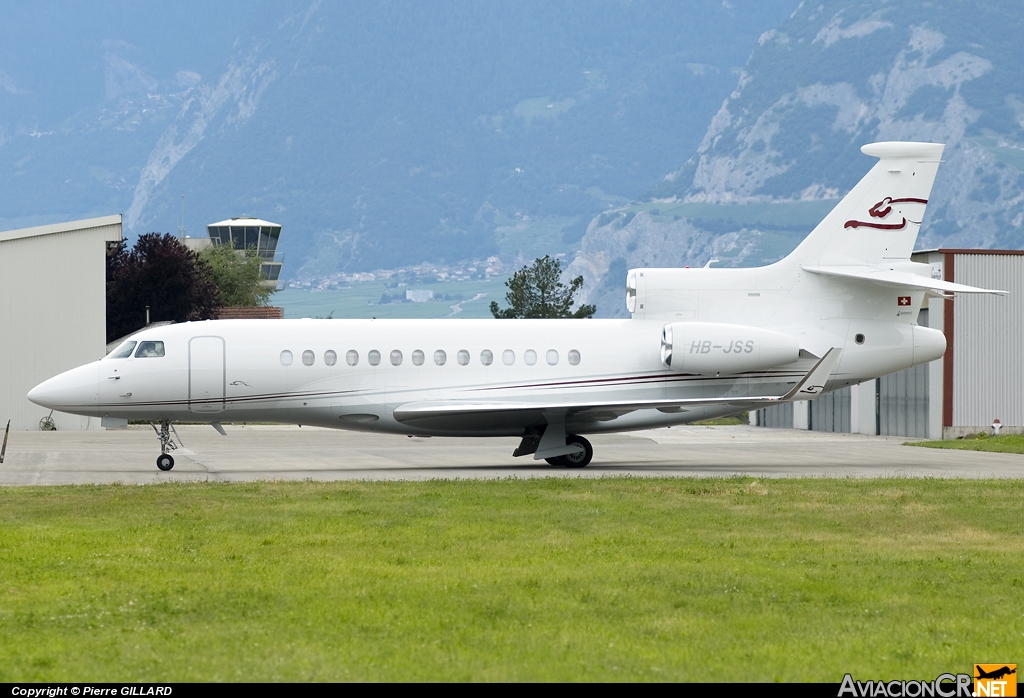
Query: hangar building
{"x":52,"y":311}
{"x":979,"y":380}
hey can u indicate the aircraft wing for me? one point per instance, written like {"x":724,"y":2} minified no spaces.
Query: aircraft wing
{"x":898,"y":279}
{"x":806,"y":388}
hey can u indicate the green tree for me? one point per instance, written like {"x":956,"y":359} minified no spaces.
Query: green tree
{"x":159,"y":272}
{"x":538,"y":292}
{"x":238,"y":276}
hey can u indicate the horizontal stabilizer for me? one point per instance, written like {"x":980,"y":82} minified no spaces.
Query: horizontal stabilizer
{"x":897,"y":279}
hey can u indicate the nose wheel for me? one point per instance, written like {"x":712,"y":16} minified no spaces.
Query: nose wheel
{"x":164,"y":461}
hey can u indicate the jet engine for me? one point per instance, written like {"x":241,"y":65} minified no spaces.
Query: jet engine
{"x":714,"y":348}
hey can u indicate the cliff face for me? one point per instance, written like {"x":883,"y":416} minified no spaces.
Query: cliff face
{"x":831,"y":78}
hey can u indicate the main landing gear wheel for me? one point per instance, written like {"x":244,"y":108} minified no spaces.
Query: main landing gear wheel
{"x":164,"y":462}
{"x":577,"y":460}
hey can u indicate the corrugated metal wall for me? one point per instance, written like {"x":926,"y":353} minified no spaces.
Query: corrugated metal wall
{"x":831,"y":412}
{"x":778,"y":417}
{"x":52,"y":315}
{"x":903,"y":403}
{"x":988,"y":341}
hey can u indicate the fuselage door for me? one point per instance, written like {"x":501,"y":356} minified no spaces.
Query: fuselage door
{"x":206,"y":374}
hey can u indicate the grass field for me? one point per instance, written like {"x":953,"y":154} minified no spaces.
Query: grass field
{"x":1008,"y":443}
{"x":548,"y":579}
{"x":795,"y":213}
{"x":362,"y":300}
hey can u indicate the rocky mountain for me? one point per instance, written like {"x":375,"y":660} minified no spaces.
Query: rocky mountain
{"x":377,"y":133}
{"x":784,"y":145}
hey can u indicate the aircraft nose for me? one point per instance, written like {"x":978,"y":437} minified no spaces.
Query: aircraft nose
{"x":73,"y":391}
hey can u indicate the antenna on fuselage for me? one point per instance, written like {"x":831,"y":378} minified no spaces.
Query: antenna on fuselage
{"x":710,"y":262}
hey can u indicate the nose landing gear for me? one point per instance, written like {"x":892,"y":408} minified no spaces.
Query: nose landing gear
{"x":164,"y":461}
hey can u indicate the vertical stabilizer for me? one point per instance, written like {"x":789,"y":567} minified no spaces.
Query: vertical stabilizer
{"x":880,"y":218}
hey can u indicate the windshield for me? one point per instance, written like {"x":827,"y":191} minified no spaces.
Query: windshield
{"x":123,"y":351}
{"x":149,"y":350}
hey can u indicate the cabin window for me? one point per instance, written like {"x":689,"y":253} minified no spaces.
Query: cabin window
{"x":552,"y":357}
{"x":330,"y":358}
{"x":462,"y":357}
{"x":352,"y":357}
{"x":150,"y":350}
{"x":486,"y":357}
{"x":508,"y":357}
{"x":417,"y":358}
{"x":396,"y":357}
{"x":308,"y":357}
{"x":530,"y":357}
{"x":123,"y":351}
{"x":286,"y":358}
{"x":574,"y":357}
{"x":373,"y":357}
{"x":440,"y":357}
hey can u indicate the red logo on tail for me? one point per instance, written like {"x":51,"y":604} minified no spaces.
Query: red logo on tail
{"x":881,"y":210}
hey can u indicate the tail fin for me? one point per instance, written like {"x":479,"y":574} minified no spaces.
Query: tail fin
{"x":879,"y":219}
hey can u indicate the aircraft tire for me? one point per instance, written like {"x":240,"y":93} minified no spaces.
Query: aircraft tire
{"x":557,"y":460}
{"x":581,"y":460}
{"x":164,"y":462}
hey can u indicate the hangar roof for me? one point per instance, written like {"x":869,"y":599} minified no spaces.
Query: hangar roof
{"x":64,"y":228}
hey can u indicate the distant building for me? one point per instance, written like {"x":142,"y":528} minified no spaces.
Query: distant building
{"x":419,"y":295}
{"x":243,"y":233}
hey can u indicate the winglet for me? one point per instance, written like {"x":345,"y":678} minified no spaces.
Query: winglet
{"x":811,"y":385}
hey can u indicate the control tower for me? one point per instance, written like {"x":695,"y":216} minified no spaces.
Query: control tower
{"x":243,"y":233}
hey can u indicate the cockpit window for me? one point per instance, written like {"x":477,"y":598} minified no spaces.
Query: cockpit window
{"x":148,"y":350}
{"x":123,"y":351}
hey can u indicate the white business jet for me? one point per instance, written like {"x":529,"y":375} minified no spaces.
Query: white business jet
{"x":701,"y":343}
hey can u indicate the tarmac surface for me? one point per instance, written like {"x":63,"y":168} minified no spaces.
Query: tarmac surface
{"x":299,"y":453}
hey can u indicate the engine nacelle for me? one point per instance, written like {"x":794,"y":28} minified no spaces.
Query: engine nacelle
{"x":713,"y":348}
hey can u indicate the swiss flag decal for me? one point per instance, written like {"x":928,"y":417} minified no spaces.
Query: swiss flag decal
{"x":903,"y":301}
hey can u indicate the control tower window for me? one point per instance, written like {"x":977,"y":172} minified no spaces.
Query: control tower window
{"x":123,"y":351}
{"x":149,"y":350}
